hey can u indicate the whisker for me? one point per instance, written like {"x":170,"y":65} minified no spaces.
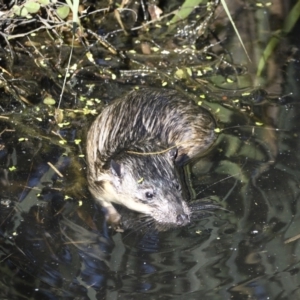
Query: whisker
{"x":223,"y":179}
{"x":144,"y":222}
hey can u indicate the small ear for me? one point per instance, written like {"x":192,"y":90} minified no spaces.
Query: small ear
{"x":173,"y":153}
{"x":115,"y":168}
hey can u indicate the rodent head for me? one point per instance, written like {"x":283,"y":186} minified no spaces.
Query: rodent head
{"x":151,"y":180}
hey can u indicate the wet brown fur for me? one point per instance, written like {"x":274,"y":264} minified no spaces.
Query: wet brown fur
{"x":148,"y":120}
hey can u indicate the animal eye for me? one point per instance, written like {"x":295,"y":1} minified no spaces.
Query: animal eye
{"x":149,"y":195}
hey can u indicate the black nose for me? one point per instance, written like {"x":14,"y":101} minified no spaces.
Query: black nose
{"x":182,"y":219}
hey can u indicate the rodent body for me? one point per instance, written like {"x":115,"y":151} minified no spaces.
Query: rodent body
{"x":122,"y":168}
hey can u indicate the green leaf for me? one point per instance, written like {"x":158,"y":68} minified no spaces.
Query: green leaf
{"x":20,"y":11}
{"x":289,"y":23}
{"x":44,"y":2}
{"x":187,"y":7}
{"x":180,"y":74}
{"x":266,"y":54}
{"x":32,"y":7}
{"x":49,"y":101}
{"x":292,"y":18}
{"x":63,"y":11}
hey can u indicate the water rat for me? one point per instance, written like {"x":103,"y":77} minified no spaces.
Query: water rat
{"x":134,"y":146}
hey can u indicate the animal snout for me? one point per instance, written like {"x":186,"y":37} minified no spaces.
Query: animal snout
{"x":182,"y":219}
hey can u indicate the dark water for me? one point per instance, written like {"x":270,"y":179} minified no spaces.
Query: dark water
{"x":53,"y":248}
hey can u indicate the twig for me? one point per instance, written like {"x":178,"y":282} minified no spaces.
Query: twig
{"x":55,"y":169}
